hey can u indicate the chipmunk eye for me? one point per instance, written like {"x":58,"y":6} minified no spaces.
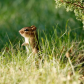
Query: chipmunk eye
{"x":26,"y":30}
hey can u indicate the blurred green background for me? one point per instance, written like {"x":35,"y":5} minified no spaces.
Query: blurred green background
{"x":16,"y":14}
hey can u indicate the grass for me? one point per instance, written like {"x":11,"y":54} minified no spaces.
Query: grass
{"x":17,"y":67}
{"x":57,"y":36}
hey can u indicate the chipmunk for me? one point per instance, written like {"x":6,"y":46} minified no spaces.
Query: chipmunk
{"x":31,"y":38}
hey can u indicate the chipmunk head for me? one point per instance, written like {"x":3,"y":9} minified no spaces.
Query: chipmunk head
{"x":28,"y":31}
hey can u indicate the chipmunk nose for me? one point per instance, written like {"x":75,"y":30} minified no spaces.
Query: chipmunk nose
{"x":21,"y":32}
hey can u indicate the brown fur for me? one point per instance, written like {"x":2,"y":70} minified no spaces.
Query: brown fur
{"x":31,"y":34}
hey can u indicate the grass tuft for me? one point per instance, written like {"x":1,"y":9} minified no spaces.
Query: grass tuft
{"x":19,"y":67}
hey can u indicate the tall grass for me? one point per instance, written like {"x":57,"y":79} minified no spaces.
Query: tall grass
{"x":57,"y":37}
{"x":16,"y":66}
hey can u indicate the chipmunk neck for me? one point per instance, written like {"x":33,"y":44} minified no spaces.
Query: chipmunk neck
{"x":27,"y":40}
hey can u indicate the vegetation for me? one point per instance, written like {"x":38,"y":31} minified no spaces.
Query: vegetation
{"x":60,"y":36}
{"x":73,"y":5}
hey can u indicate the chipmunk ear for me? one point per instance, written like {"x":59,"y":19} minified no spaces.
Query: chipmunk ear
{"x":33,"y":27}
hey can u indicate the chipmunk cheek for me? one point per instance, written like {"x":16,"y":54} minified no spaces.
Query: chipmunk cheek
{"x":26,"y":33}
